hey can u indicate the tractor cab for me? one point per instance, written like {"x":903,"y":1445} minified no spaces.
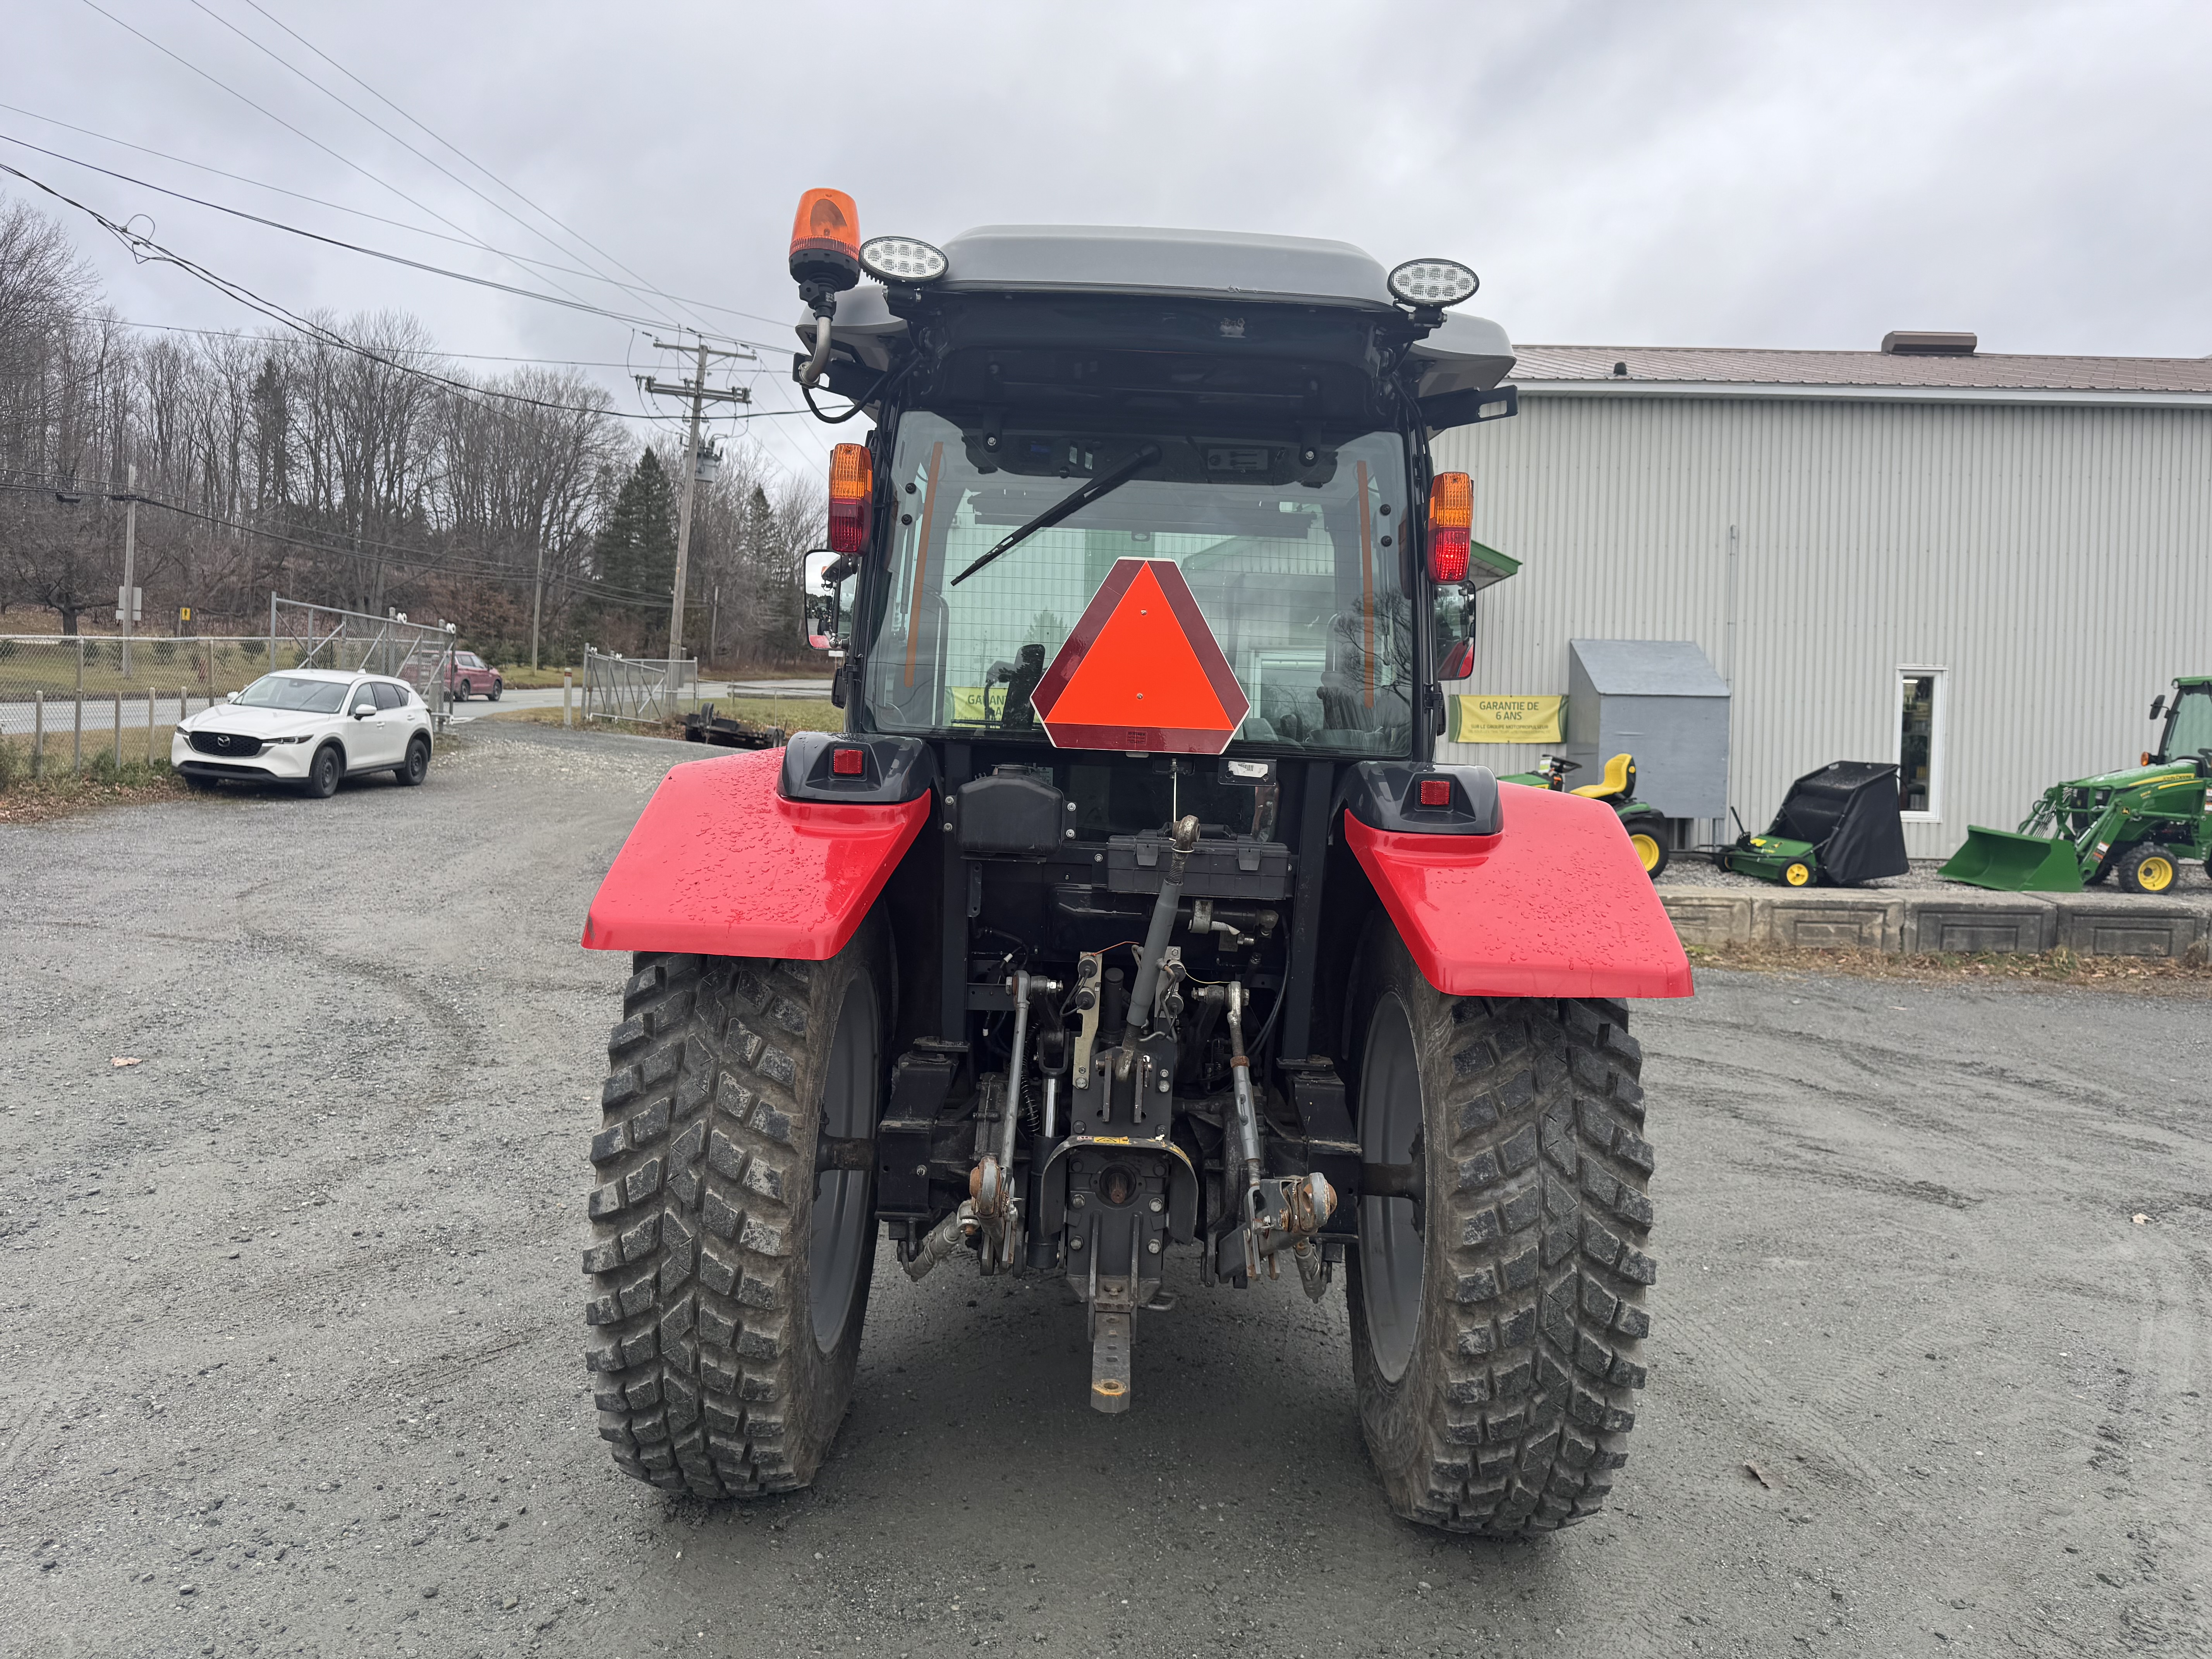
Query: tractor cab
{"x":1132,"y":933}
{"x":2187,"y":733}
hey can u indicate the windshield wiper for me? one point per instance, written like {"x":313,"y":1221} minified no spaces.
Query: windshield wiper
{"x":1074,"y":501}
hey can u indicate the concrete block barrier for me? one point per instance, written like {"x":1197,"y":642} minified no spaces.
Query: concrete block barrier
{"x":1948,"y":919}
{"x":2011,"y":923}
{"x":2122,"y":925}
{"x":1710,"y":916}
{"x":1830,"y":921}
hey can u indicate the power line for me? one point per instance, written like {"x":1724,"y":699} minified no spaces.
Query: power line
{"x":466,"y":356}
{"x":497,"y":207}
{"x":640,"y":287}
{"x":419,"y":125}
{"x":569,"y":303}
{"x":296,"y":132}
{"x":143,"y":247}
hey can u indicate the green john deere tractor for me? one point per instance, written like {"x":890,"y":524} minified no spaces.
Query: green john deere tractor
{"x":1646,"y":825}
{"x":2139,"y":823}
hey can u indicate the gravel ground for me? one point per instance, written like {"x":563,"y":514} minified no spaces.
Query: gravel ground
{"x":293,"y":1314}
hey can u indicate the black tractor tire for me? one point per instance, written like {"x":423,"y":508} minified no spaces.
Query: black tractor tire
{"x":1647,"y":833}
{"x":326,"y":772}
{"x":1497,"y":1322}
{"x":729,"y":1280}
{"x":416,"y":766}
{"x":2148,"y":867}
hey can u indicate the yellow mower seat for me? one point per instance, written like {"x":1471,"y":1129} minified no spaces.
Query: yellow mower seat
{"x":1620,"y":779}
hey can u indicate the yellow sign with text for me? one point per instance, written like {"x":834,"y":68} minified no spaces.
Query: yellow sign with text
{"x":1506,"y":719}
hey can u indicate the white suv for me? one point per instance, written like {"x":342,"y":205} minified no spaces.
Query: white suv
{"x":309,"y":726}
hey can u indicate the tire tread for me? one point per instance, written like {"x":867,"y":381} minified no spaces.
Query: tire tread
{"x":692,"y":1357}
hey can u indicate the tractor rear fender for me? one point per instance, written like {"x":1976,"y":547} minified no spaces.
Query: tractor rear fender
{"x":1555,"y":904}
{"x":723,"y":863}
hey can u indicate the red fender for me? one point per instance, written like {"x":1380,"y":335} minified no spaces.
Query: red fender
{"x":721,"y":865}
{"x":1557,"y":905}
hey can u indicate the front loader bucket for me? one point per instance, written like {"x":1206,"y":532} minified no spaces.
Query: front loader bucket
{"x":2012,"y":863}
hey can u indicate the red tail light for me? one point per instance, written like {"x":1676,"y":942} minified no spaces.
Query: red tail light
{"x":1451,"y":524}
{"x":1436,"y":791}
{"x":848,"y":762}
{"x":852,"y":494}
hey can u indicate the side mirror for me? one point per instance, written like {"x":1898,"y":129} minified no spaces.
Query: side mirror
{"x":230,"y":696}
{"x":2157,"y":705}
{"x":826,"y":576}
{"x":361,"y":711}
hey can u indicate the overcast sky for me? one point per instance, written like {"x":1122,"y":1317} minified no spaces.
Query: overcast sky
{"x":1620,"y":173}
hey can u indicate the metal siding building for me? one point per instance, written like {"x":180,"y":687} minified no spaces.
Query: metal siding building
{"x":2045,"y":550}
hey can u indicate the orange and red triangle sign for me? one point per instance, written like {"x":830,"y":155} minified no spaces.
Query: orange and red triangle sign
{"x":1142,"y":670}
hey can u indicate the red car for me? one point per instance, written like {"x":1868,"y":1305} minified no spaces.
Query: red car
{"x":469,"y":675}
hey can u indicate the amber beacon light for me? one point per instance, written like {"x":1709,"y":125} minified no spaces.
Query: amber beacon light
{"x":1451,"y":524}
{"x":825,"y":241}
{"x":851,"y":494}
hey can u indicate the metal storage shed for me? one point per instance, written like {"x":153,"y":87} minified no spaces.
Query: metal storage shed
{"x":1660,"y":700}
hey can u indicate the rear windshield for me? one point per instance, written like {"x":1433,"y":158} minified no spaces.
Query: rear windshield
{"x":294,"y":691}
{"x":1295,"y":567}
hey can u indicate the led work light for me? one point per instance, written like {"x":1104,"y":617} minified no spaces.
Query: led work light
{"x":901,"y":259}
{"x":1433,"y":282}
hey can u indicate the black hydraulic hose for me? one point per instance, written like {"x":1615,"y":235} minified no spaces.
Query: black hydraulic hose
{"x":1266,"y":1027}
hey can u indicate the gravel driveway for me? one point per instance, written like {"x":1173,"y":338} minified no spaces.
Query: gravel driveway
{"x":293,"y":1321}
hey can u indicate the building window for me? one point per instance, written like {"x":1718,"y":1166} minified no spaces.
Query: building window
{"x":1920,"y":711}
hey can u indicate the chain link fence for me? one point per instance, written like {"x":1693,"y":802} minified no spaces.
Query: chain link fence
{"x":642,"y":691}
{"x":60,"y":687}
{"x":63,"y":669}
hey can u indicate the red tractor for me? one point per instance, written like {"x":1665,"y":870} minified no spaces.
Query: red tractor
{"x":1131,"y":933}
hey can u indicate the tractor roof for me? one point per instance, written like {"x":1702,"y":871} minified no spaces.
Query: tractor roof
{"x":2190,"y":682}
{"x":1213,"y":264}
{"x":1235,"y":267}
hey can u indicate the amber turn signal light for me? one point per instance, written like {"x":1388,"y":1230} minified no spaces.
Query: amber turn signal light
{"x":852,"y":496}
{"x":1451,"y":526}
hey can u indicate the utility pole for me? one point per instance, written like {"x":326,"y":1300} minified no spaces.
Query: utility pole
{"x":125,"y":601}
{"x":701,"y":394}
{"x":536,"y":600}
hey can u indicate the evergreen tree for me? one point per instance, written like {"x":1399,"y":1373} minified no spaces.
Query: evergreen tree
{"x":636,"y":548}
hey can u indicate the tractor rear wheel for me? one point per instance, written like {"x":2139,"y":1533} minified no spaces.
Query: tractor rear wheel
{"x":729,"y":1271}
{"x":1497,"y":1322}
{"x":2147,"y":868}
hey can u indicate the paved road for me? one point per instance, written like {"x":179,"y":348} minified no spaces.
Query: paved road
{"x":292,"y":1335}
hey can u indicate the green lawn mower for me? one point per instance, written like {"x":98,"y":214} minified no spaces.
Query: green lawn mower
{"x":2138,"y":824}
{"x":1646,"y":825}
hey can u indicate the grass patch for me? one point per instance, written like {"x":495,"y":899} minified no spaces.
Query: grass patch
{"x":520,"y":676}
{"x":2190,"y":975}
{"x":58,"y":791}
